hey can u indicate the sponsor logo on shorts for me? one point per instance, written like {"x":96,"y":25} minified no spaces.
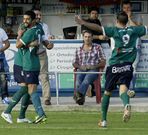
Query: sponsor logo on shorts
{"x":28,"y":75}
{"x":22,"y":73}
{"x":121,"y":69}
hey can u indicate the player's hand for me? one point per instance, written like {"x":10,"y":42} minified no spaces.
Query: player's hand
{"x":34,"y":43}
{"x":20,"y":32}
{"x":129,"y":13}
{"x":50,"y":46}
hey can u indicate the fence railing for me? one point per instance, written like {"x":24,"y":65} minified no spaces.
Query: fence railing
{"x":61,"y":72}
{"x":58,"y":73}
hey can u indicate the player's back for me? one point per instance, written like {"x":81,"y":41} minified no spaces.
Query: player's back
{"x":125,"y":43}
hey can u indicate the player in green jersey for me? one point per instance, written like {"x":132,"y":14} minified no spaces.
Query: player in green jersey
{"x":133,"y":20}
{"x":120,"y":70}
{"x":27,"y":70}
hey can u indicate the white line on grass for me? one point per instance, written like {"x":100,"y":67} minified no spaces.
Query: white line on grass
{"x":68,"y":128}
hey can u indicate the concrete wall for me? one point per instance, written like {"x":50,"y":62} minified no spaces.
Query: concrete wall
{"x":57,"y":22}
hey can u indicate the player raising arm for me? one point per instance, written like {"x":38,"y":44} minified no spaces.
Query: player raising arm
{"x":120,"y":70}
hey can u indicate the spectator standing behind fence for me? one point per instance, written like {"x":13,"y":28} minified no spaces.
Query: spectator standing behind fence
{"x":44,"y":77}
{"x":120,"y":70}
{"x":4,"y":68}
{"x":88,"y":58}
{"x":98,"y":38}
{"x":133,"y":20}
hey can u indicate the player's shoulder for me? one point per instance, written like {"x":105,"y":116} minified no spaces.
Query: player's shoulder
{"x":39,"y":25}
{"x":137,"y":27}
{"x":30,"y":30}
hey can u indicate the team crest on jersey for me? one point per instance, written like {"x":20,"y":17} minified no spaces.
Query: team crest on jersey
{"x":126,"y":39}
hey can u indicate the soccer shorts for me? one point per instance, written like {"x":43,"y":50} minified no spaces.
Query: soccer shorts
{"x":18,"y":74}
{"x":31,"y":77}
{"x":118,"y":74}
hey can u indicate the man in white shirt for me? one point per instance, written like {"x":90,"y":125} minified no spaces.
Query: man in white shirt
{"x":44,"y":77}
{"x":4,"y":45}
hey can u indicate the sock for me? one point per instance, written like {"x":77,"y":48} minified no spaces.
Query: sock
{"x":37,"y":104}
{"x":104,"y":106}
{"x":125,"y":98}
{"x":24,"y":105}
{"x":16,"y":98}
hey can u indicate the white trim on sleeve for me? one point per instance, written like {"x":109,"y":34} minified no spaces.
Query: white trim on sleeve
{"x":146,"y":30}
{"x":103,"y":31}
{"x":22,"y":42}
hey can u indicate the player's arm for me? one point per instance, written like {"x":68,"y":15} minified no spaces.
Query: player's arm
{"x":5,"y":41}
{"x":47,"y":44}
{"x":5,"y":46}
{"x":92,"y":26}
{"x":133,"y":23}
{"x":34,"y":43}
{"x":20,"y":33}
{"x":19,"y":44}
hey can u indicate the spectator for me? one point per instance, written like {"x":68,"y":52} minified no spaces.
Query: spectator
{"x":44,"y":76}
{"x":88,"y":58}
{"x":4,"y":68}
{"x":98,"y":38}
{"x":120,"y":70}
{"x":133,"y":20}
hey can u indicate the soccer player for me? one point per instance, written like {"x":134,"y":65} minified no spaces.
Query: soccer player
{"x":44,"y":77}
{"x":120,"y":70}
{"x":26,"y":70}
{"x":133,"y":20}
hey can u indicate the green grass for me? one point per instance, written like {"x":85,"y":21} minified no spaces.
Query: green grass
{"x":77,"y":123}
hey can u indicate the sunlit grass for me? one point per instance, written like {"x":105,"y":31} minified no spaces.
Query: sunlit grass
{"x":77,"y":123}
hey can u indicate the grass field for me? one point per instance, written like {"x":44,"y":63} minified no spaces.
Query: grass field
{"x":77,"y":123}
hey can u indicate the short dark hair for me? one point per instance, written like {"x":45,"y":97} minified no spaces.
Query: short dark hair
{"x":125,"y":2}
{"x":122,"y":17}
{"x":31,"y":14}
{"x":93,"y":9}
{"x":87,"y":31}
